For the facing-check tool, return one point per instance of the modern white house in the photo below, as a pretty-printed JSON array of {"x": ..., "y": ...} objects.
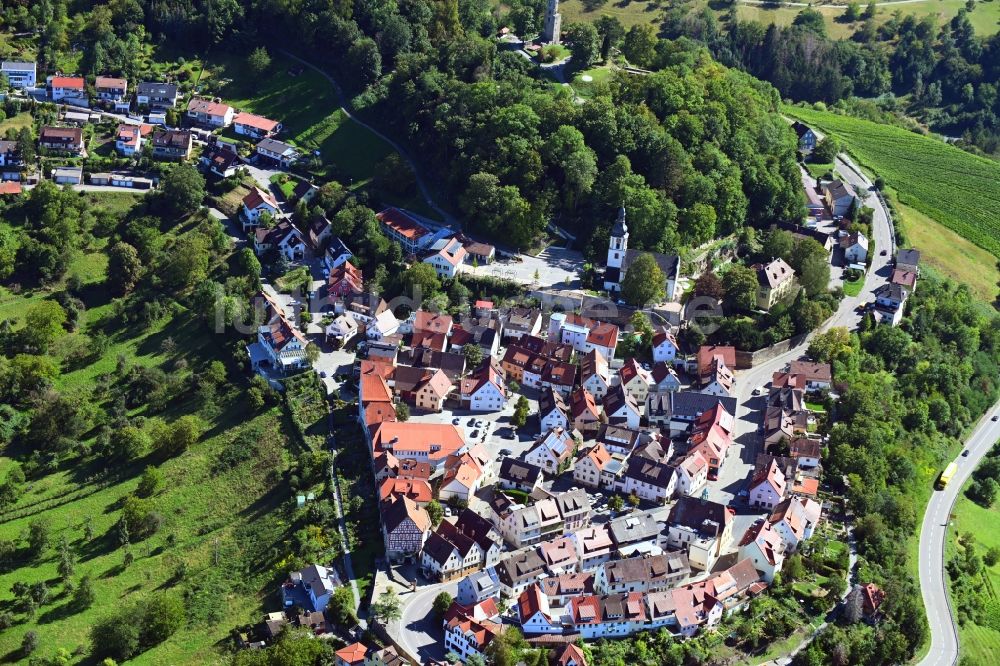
[
  {"x": 19, "y": 74},
  {"x": 255, "y": 205}
]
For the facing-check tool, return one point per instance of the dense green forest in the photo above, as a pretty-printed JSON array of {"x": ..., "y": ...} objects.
[{"x": 693, "y": 152}]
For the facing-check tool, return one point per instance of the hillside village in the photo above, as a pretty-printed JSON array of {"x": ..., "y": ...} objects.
[
  {"x": 547, "y": 450},
  {"x": 522, "y": 420}
]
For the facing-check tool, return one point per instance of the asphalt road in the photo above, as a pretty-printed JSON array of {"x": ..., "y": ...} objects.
[
  {"x": 933, "y": 535},
  {"x": 418, "y": 629}
]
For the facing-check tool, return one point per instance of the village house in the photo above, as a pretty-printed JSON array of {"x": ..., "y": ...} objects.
[
  {"x": 111, "y": 89},
  {"x": 560, "y": 589},
  {"x": 478, "y": 587},
  {"x": 621, "y": 408},
  {"x": 763, "y": 546},
  {"x": 466, "y": 636},
  {"x": 65, "y": 140},
  {"x": 518, "y": 322},
  {"x": 128, "y": 141},
  {"x": 635, "y": 380},
  {"x": 403, "y": 229},
  {"x": 767, "y": 488},
  {"x": 19, "y": 75},
  {"x": 692, "y": 474},
  {"x": 855, "y": 247},
  {"x": 552, "y": 451},
  {"x": 795, "y": 519},
  {"x": 310, "y": 588},
  {"x": 278, "y": 153},
  {"x": 665, "y": 379},
  {"x": 418, "y": 490},
  {"x": 341, "y": 329},
  {"x": 817, "y": 376},
  {"x": 775, "y": 281},
  {"x": 593, "y": 546},
  {"x": 839, "y": 197},
  {"x": 908, "y": 260},
  {"x": 559, "y": 555},
  {"x": 352, "y": 655},
  {"x": 890, "y": 302},
  {"x": 637, "y": 533},
  {"x": 257, "y": 206},
  {"x": 254, "y": 126},
  {"x": 595, "y": 376},
  {"x": 806, "y": 137},
  {"x": 10, "y": 154},
  {"x": 665, "y": 347},
  {"x": 220, "y": 159},
  {"x": 516, "y": 474},
  {"x": 905, "y": 279},
  {"x": 644, "y": 574},
  {"x": 284, "y": 237},
  {"x": 701, "y": 528},
  {"x": 424, "y": 442},
  {"x": 484, "y": 390},
  {"x": 650, "y": 480},
  {"x": 534, "y": 614},
  {"x": 405, "y": 525},
  {"x": 156, "y": 95},
  {"x": 552, "y": 411},
  {"x": 806, "y": 452},
  {"x": 462, "y": 477},
  {"x": 172, "y": 144},
  {"x": 518, "y": 571},
  {"x": 209, "y": 112},
  {"x": 584, "y": 414},
  {"x": 608, "y": 616},
  {"x": 66, "y": 87},
  {"x": 446, "y": 255},
  {"x": 589, "y": 467}
]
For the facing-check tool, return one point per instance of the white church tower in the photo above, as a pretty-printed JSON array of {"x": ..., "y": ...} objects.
[
  {"x": 616, "y": 253},
  {"x": 553, "y": 23}
]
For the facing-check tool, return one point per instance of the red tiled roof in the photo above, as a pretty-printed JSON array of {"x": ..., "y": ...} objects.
[
  {"x": 109, "y": 82},
  {"x": 10, "y": 187},
  {"x": 255, "y": 121},
  {"x": 604, "y": 334},
  {"x": 75, "y": 82},
  {"x": 209, "y": 107},
  {"x": 257, "y": 196},
  {"x": 353, "y": 654},
  {"x": 402, "y": 223}
]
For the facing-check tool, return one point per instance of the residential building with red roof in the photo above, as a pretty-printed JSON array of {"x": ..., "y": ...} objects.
[
  {"x": 665, "y": 347},
  {"x": 67, "y": 140},
  {"x": 795, "y": 519},
  {"x": 484, "y": 390},
  {"x": 636, "y": 380},
  {"x": 405, "y": 230},
  {"x": 767, "y": 488},
  {"x": 425, "y": 442},
  {"x": 254, "y": 126},
  {"x": 764, "y": 546},
  {"x": 256, "y": 204},
  {"x": 710, "y": 355},
  {"x": 904, "y": 278},
  {"x": 65, "y": 87},
  {"x": 595, "y": 376},
  {"x": 352, "y": 655},
  {"x": 588, "y": 468},
  {"x": 466, "y": 637},
  {"x": 418, "y": 490},
  {"x": 534, "y": 614},
  {"x": 209, "y": 112},
  {"x": 128, "y": 141},
  {"x": 571, "y": 655}
]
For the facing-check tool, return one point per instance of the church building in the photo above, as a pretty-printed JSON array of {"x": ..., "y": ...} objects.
[{"x": 620, "y": 257}]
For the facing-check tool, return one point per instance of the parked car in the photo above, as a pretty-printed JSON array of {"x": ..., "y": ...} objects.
[
  {"x": 996, "y": 417},
  {"x": 456, "y": 421},
  {"x": 506, "y": 452},
  {"x": 475, "y": 434},
  {"x": 965, "y": 453}
]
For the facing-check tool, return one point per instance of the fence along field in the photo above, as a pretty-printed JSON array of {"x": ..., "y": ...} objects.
[{"x": 955, "y": 188}]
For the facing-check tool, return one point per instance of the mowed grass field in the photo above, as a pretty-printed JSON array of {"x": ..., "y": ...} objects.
[
  {"x": 958, "y": 190},
  {"x": 979, "y": 644},
  {"x": 307, "y": 106}
]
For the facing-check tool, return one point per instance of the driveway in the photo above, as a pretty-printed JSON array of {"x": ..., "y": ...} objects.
[{"x": 335, "y": 362}]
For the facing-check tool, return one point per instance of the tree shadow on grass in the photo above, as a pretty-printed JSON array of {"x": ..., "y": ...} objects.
[
  {"x": 58, "y": 613},
  {"x": 12, "y": 657}
]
